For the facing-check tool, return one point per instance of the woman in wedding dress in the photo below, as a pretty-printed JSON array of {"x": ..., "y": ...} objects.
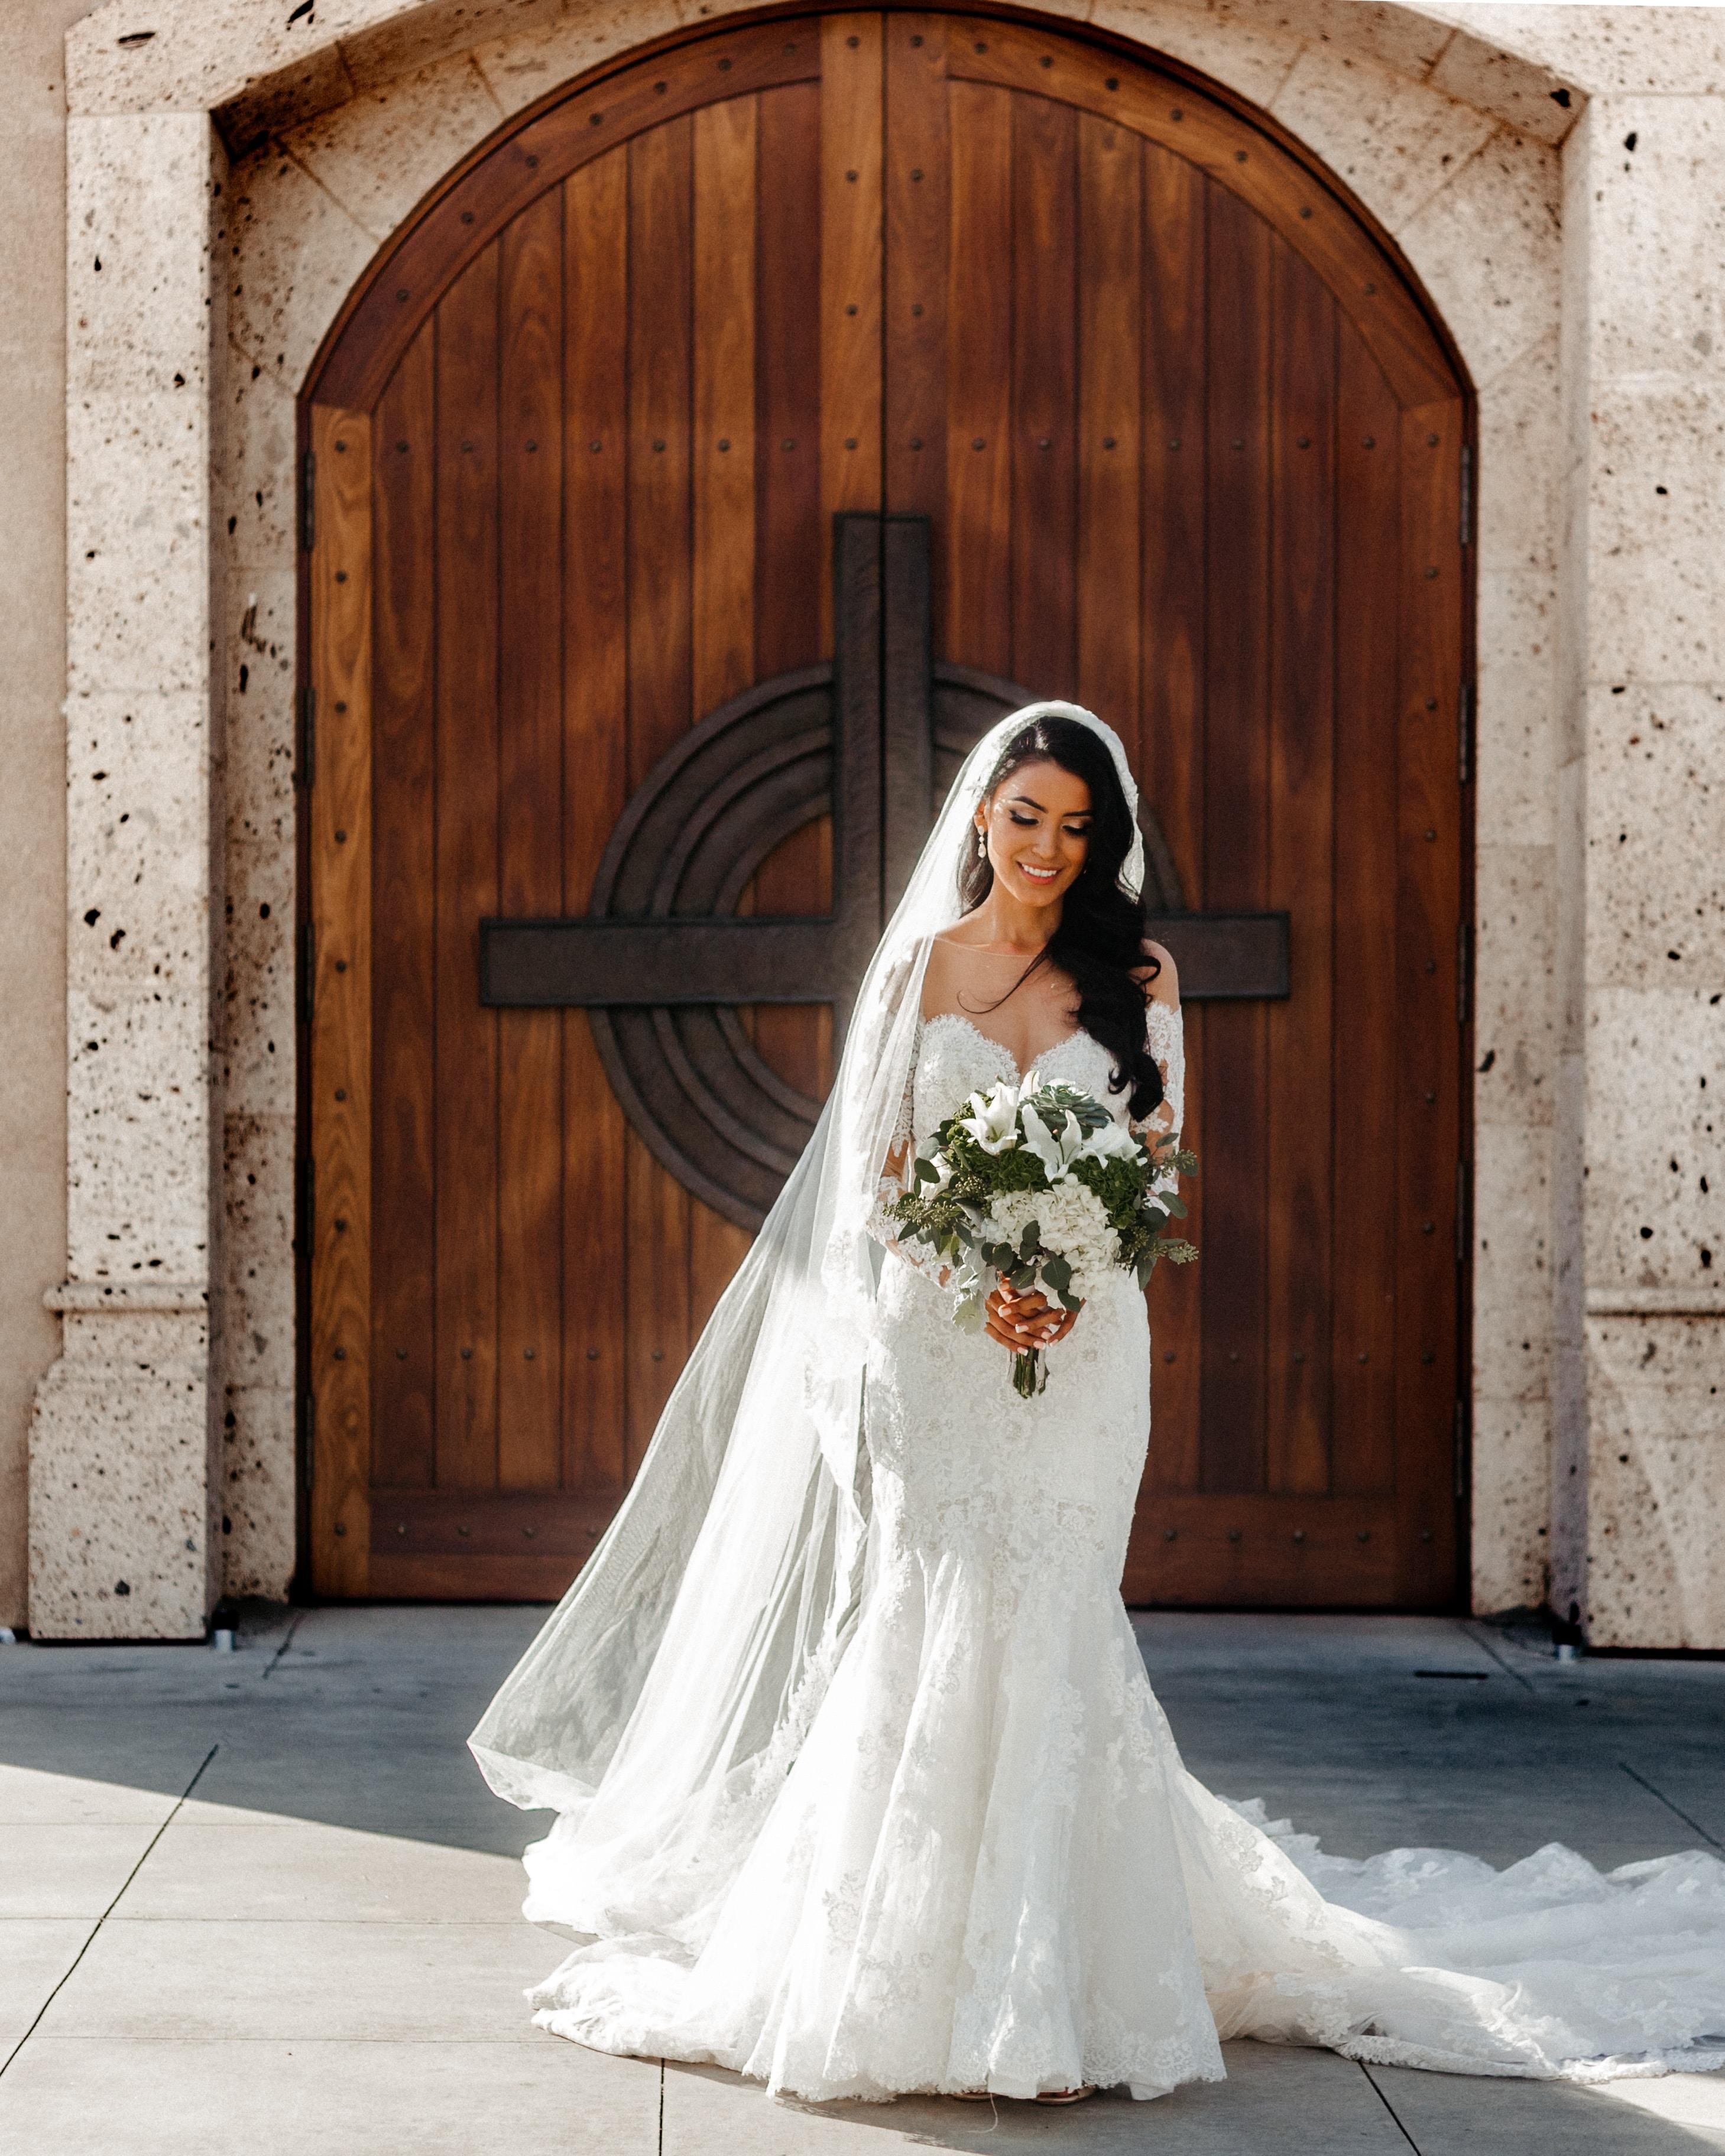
[{"x": 861, "y": 1786}]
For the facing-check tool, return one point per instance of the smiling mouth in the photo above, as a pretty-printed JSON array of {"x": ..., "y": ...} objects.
[{"x": 1037, "y": 876}]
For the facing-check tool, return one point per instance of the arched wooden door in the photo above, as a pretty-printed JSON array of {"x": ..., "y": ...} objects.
[{"x": 717, "y": 451}]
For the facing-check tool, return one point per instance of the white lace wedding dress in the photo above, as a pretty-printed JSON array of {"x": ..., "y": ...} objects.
[{"x": 986, "y": 1866}]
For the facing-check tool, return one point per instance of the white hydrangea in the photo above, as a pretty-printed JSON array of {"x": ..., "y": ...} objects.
[{"x": 1072, "y": 1223}]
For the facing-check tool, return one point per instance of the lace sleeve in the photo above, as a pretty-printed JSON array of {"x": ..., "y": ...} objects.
[
  {"x": 894, "y": 1180},
  {"x": 1165, "y": 1033}
]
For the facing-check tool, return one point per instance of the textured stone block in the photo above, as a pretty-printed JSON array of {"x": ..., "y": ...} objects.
[
  {"x": 120, "y": 1483},
  {"x": 378, "y": 155},
  {"x": 1512, "y": 1271},
  {"x": 1656, "y": 873},
  {"x": 1602, "y": 47},
  {"x": 295, "y": 255},
  {"x": 259, "y": 982},
  {"x": 1656, "y": 1139},
  {"x": 527, "y": 63},
  {"x": 1394, "y": 142},
  {"x": 1656, "y": 1481},
  {"x": 257, "y": 1250},
  {"x": 137, "y": 515},
  {"x": 1656, "y": 530},
  {"x": 256, "y": 492},
  {"x": 1486, "y": 247},
  {"x": 203, "y": 54},
  {"x": 137, "y": 852},
  {"x": 138, "y": 1113},
  {"x": 1515, "y": 992},
  {"x": 1516, "y": 687},
  {"x": 1404, "y": 38},
  {"x": 257, "y": 1490},
  {"x": 1252, "y": 53},
  {"x": 1522, "y": 92},
  {"x": 1511, "y": 1469},
  {"x": 1657, "y": 299},
  {"x": 405, "y": 42},
  {"x": 260, "y": 729},
  {"x": 137, "y": 264},
  {"x": 1521, "y": 460}
]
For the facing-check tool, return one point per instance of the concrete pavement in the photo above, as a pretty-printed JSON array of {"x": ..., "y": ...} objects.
[{"x": 262, "y": 1903}]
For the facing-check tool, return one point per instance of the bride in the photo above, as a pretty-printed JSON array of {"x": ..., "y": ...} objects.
[{"x": 860, "y": 1786}]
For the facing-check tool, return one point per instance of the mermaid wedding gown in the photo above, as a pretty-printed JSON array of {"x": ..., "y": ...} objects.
[{"x": 984, "y": 1865}]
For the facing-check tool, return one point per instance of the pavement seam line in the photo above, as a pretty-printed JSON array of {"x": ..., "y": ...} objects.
[
  {"x": 292, "y": 1634},
  {"x": 1387, "y": 2106},
  {"x": 1485, "y": 1646},
  {"x": 96, "y": 1927},
  {"x": 1694, "y": 1825}
]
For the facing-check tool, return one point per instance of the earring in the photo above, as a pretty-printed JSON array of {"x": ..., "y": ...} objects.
[{"x": 982, "y": 844}]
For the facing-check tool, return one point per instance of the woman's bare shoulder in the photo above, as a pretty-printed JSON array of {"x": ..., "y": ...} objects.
[{"x": 1158, "y": 976}]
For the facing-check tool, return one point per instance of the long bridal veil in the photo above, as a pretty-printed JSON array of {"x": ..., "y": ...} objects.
[
  {"x": 666, "y": 1700},
  {"x": 665, "y": 1697}
]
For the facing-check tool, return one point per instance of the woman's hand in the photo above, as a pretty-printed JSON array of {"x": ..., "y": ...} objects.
[{"x": 1027, "y": 1321}]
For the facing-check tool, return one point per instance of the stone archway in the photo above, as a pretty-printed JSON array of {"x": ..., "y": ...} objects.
[{"x": 218, "y": 280}]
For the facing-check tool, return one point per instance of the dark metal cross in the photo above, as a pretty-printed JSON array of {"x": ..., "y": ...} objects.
[{"x": 663, "y": 961}]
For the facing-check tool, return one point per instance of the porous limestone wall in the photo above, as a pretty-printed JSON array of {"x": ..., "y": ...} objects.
[
  {"x": 121, "y": 1483},
  {"x": 1450, "y": 123},
  {"x": 33, "y": 681}
]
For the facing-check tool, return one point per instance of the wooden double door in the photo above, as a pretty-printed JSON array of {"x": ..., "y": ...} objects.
[{"x": 1175, "y": 437}]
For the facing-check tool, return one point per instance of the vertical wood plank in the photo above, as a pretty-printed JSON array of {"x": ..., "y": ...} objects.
[
  {"x": 530, "y": 1166},
  {"x": 1044, "y": 302},
  {"x": 595, "y": 788},
  {"x": 403, "y": 885},
  {"x": 660, "y": 308},
  {"x": 1368, "y": 581},
  {"x": 725, "y": 150},
  {"x": 723, "y": 461},
  {"x": 917, "y": 188},
  {"x": 793, "y": 536},
  {"x": 1110, "y": 265},
  {"x": 1428, "y": 909},
  {"x": 852, "y": 262},
  {"x": 1301, "y": 1217},
  {"x": 793, "y": 553},
  {"x": 467, "y": 653},
  {"x": 1170, "y": 731},
  {"x": 1236, "y": 785},
  {"x": 978, "y": 536},
  {"x": 341, "y": 1012},
  {"x": 1171, "y": 728}
]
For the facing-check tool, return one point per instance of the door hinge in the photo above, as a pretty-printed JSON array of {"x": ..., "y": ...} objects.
[
  {"x": 308, "y": 499},
  {"x": 308, "y": 1438},
  {"x": 1462, "y": 1237},
  {"x": 1464, "y": 735},
  {"x": 308, "y": 1201},
  {"x": 1460, "y": 1448},
  {"x": 1463, "y": 971},
  {"x": 1466, "y": 494},
  {"x": 308, "y": 735},
  {"x": 308, "y": 960}
]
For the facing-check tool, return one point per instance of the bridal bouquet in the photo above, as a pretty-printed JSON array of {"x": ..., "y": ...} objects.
[{"x": 1038, "y": 1186}]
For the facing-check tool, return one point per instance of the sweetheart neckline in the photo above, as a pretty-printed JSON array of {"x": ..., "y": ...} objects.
[{"x": 958, "y": 1017}]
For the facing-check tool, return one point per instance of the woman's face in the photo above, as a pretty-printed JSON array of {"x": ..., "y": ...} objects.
[{"x": 1037, "y": 825}]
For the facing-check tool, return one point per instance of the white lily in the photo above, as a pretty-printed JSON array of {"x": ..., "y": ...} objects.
[
  {"x": 1112, "y": 1141},
  {"x": 993, "y": 1120},
  {"x": 1056, "y": 1149}
]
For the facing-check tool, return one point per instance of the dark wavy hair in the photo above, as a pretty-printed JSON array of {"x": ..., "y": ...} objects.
[{"x": 1100, "y": 942}]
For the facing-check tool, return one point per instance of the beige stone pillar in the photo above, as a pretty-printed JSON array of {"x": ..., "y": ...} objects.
[
  {"x": 123, "y": 1488},
  {"x": 1638, "y": 1499}
]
